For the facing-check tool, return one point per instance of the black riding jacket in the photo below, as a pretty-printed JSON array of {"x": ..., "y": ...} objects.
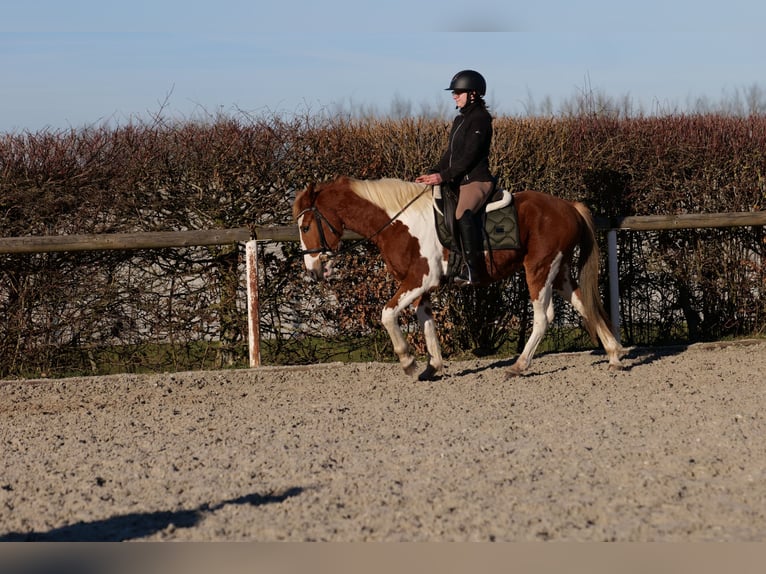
[{"x": 467, "y": 156}]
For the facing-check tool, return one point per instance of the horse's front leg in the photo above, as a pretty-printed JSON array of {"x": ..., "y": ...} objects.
[
  {"x": 428, "y": 326},
  {"x": 390, "y": 320}
]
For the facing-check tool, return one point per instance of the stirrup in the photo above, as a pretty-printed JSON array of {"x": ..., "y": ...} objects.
[{"x": 465, "y": 277}]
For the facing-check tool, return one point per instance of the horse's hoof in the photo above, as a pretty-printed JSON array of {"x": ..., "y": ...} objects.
[
  {"x": 514, "y": 372},
  {"x": 616, "y": 367},
  {"x": 411, "y": 368}
]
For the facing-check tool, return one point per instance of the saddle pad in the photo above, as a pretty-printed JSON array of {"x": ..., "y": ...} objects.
[{"x": 501, "y": 227}]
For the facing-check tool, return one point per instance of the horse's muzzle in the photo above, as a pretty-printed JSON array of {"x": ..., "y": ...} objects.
[{"x": 318, "y": 267}]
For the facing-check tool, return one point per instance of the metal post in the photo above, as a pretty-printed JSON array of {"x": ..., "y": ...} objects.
[
  {"x": 253, "y": 314},
  {"x": 614, "y": 284}
]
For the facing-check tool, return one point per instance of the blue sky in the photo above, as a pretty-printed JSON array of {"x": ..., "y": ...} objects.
[{"x": 82, "y": 62}]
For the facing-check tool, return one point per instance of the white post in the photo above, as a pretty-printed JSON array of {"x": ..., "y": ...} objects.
[
  {"x": 253, "y": 314},
  {"x": 614, "y": 284}
]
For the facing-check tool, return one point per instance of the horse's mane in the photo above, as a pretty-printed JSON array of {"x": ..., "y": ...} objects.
[{"x": 390, "y": 194}]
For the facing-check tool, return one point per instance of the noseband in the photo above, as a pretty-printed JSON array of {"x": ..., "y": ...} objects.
[{"x": 320, "y": 219}]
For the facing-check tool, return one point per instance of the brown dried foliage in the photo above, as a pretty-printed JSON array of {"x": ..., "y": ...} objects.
[{"x": 184, "y": 308}]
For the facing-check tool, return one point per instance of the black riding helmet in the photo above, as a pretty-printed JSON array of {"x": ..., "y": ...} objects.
[{"x": 470, "y": 81}]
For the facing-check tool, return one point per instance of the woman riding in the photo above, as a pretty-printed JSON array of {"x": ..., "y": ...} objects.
[{"x": 464, "y": 166}]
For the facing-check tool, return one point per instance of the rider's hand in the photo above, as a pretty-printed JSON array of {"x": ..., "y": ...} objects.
[{"x": 429, "y": 179}]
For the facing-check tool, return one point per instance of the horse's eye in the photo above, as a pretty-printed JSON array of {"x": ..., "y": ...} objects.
[{"x": 305, "y": 228}]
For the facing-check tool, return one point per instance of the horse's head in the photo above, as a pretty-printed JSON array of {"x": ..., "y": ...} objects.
[{"x": 320, "y": 230}]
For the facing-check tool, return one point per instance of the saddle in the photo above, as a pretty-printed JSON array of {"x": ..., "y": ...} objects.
[{"x": 498, "y": 216}]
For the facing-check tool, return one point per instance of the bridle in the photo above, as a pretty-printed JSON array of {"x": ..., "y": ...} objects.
[{"x": 319, "y": 218}]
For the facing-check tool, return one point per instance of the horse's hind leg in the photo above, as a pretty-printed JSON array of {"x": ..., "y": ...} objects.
[
  {"x": 595, "y": 322},
  {"x": 543, "y": 316},
  {"x": 428, "y": 326},
  {"x": 542, "y": 306}
]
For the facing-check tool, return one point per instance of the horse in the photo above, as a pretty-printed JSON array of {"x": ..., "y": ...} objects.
[{"x": 398, "y": 217}]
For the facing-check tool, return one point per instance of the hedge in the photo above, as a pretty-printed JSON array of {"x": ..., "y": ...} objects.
[{"x": 152, "y": 310}]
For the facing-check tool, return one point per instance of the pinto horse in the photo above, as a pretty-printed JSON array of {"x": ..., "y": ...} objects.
[{"x": 398, "y": 217}]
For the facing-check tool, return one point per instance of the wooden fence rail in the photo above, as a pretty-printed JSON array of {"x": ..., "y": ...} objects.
[
  {"x": 682, "y": 221},
  {"x": 279, "y": 233},
  {"x": 149, "y": 240},
  {"x": 251, "y": 235}
]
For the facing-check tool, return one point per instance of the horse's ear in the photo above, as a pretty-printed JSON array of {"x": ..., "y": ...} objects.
[
  {"x": 311, "y": 191},
  {"x": 303, "y": 200},
  {"x": 305, "y": 195}
]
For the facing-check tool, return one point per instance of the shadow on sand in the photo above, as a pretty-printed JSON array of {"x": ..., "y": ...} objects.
[
  {"x": 140, "y": 524},
  {"x": 635, "y": 357}
]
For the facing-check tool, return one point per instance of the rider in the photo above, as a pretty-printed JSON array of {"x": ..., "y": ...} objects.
[{"x": 464, "y": 166}]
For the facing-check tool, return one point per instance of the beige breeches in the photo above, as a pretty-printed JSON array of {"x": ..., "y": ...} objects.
[{"x": 472, "y": 196}]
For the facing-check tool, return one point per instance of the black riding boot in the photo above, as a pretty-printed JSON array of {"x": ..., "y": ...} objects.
[{"x": 473, "y": 248}]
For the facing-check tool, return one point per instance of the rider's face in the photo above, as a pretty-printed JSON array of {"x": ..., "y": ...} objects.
[{"x": 460, "y": 97}]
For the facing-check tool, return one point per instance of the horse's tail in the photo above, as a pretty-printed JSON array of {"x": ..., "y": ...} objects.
[{"x": 597, "y": 320}]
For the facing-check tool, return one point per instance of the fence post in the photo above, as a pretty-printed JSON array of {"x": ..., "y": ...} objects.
[
  {"x": 614, "y": 284},
  {"x": 253, "y": 313}
]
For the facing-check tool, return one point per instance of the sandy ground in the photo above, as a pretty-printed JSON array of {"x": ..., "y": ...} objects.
[{"x": 671, "y": 449}]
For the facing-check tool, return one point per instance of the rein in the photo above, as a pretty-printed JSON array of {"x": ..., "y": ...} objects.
[{"x": 325, "y": 248}]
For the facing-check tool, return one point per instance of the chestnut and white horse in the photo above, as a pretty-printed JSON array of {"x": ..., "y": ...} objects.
[{"x": 398, "y": 217}]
